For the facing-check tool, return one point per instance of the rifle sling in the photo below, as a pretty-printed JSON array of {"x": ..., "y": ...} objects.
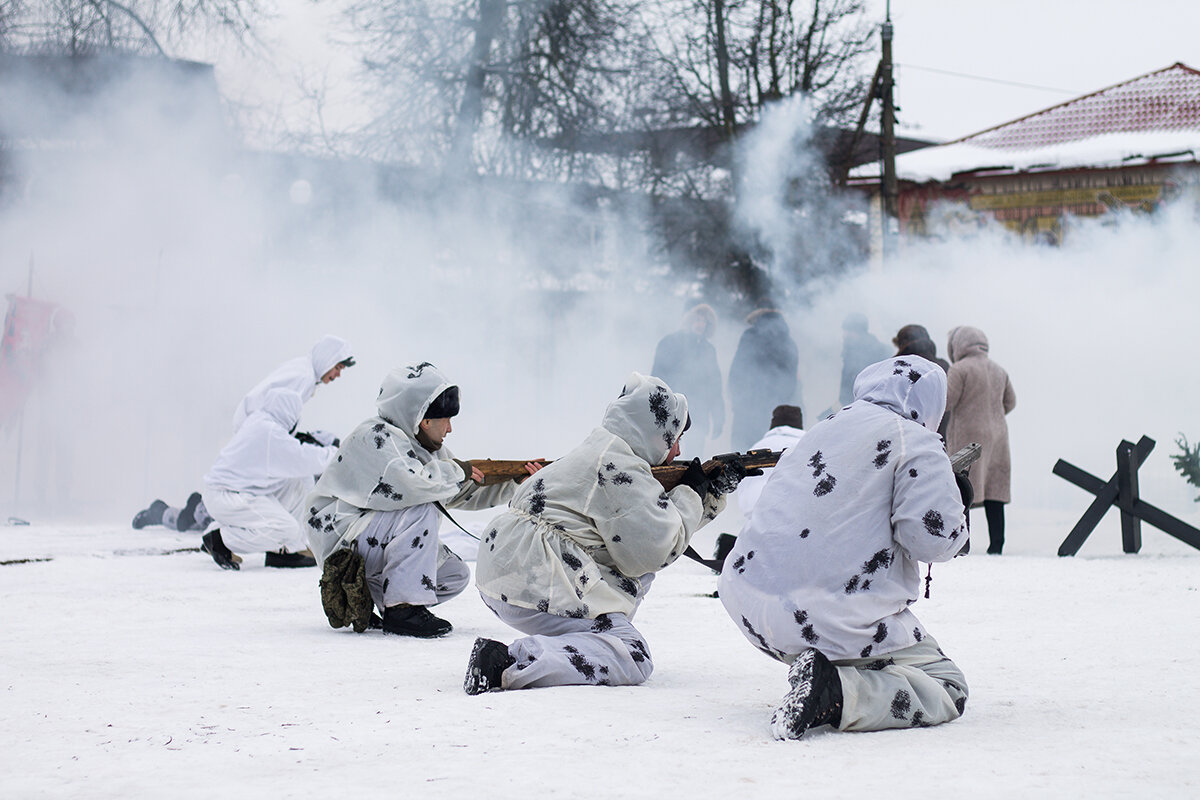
[
  {"x": 442, "y": 509},
  {"x": 711, "y": 563}
]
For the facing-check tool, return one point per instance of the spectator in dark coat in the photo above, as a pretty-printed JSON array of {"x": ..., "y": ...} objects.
[
  {"x": 761, "y": 376},
  {"x": 914, "y": 340},
  {"x": 859, "y": 350},
  {"x": 687, "y": 361}
]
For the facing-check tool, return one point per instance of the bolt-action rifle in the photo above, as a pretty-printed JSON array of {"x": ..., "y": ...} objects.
[
  {"x": 669, "y": 475},
  {"x": 498, "y": 471},
  {"x": 961, "y": 461}
]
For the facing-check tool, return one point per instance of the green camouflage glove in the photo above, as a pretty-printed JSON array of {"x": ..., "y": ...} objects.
[{"x": 344, "y": 592}]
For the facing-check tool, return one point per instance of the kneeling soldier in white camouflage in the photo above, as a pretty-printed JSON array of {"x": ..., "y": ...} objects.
[
  {"x": 381, "y": 496},
  {"x": 823, "y": 573},
  {"x": 256, "y": 488},
  {"x": 574, "y": 555}
]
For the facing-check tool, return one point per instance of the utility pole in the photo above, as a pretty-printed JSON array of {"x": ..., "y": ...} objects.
[
  {"x": 888, "y": 140},
  {"x": 16, "y": 501}
]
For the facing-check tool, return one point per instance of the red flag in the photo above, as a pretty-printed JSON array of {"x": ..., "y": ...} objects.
[{"x": 28, "y": 332}]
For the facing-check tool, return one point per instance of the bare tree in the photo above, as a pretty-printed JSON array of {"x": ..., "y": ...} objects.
[
  {"x": 820, "y": 54},
  {"x": 149, "y": 26},
  {"x": 713, "y": 81},
  {"x": 643, "y": 97},
  {"x": 471, "y": 83},
  {"x": 740, "y": 55},
  {"x": 488, "y": 24}
]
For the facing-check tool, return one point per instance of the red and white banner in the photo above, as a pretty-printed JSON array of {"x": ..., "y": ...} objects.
[{"x": 30, "y": 328}]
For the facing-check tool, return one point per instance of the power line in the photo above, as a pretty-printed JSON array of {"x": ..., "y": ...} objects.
[{"x": 989, "y": 80}]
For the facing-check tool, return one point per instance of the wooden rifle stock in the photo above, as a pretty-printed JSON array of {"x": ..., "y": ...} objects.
[{"x": 498, "y": 471}]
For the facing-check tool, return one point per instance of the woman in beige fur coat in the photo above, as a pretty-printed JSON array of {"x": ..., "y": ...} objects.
[{"x": 978, "y": 396}]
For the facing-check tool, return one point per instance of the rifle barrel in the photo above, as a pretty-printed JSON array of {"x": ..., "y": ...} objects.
[{"x": 499, "y": 470}]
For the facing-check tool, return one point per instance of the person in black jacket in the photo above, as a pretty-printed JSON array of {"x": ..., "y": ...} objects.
[
  {"x": 761, "y": 376},
  {"x": 687, "y": 361},
  {"x": 859, "y": 350},
  {"x": 914, "y": 340}
]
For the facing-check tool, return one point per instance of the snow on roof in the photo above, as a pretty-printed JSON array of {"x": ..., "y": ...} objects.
[
  {"x": 1154, "y": 117},
  {"x": 1111, "y": 150}
]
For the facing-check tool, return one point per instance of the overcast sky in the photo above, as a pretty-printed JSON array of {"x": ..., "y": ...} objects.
[
  {"x": 1076, "y": 48},
  {"x": 1006, "y": 59}
]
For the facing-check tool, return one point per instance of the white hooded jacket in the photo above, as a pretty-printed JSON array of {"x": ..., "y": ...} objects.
[
  {"x": 381, "y": 466},
  {"x": 301, "y": 374},
  {"x": 829, "y": 558},
  {"x": 580, "y": 533},
  {"x": 263, "y": 455},
  {"x": 781, "y": 437}
]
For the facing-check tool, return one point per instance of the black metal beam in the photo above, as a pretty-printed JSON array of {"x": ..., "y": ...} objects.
[
  {"x": 1121, "y": 490},
  {"x": 1106, "y": 494},
  {"x": 1127, "y": 497}
]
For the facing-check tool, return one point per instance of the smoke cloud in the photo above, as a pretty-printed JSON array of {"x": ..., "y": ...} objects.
[{"x": 193, "y": 268}]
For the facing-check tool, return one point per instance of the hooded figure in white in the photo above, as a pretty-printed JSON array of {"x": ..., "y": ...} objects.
[
  {"x": 828, "y": 561},
  {"x": 786, "y": 429},
  {"x": 301, "y": 374},
  {"x": 574, "y": 555},
  {"x": 379, "y": 496},
  {"x": 255, "y": 489}
]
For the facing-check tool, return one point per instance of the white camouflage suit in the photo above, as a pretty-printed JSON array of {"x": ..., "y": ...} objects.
[
  {"x": 302, "y": 375},
  {"x": 781, "y": 437},
  {"x": 255, "y": 489},
  {"x": 378, "y": 496},
  {"x": 574, "y": 555},
  {"x": 829, "y": 558}
]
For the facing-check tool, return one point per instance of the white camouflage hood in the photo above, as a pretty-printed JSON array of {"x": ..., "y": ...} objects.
[
  {"x": 648, "y": 416},
  {"x": 909, "y": 385},
  {"x": 407, "y": 392},
  {"x": 328, "y": 353}
]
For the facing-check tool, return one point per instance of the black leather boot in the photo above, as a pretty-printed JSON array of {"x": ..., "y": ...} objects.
[
  {"x": 486, "y": 666},
  {"x": 222, "y": 556},
  {"x": 290, "y": 560},
  {"x": 406, "y": 620},
  {"x": 187, "y": 514},
  {"x": 150, "y": 516},
  {"x": 815, "y": 698}
]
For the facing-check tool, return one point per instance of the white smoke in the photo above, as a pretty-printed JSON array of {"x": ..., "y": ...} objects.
[
  {"x": 1097, "y": 335},
  {"x": 194, "y": 268}
]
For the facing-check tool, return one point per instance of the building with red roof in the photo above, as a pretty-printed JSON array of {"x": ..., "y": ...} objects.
[{"x": 1134, "y": 146}]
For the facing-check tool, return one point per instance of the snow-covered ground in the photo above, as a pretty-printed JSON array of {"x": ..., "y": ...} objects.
[{"x": 128, "y": 673}]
